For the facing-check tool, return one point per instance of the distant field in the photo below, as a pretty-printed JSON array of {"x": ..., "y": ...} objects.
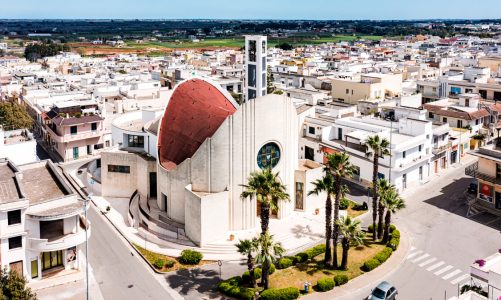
[{"x": 159, "y": 48}]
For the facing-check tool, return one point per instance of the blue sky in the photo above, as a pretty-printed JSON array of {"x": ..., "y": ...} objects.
[{"x": 251, "y": 9}]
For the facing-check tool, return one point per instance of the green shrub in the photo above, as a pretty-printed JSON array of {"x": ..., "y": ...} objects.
[
  {"x": 289, "y": 293},
  {"x": 392, "y": 228},
  {"x": 315, "y": 251},
  {"x": 340, "y": 279},
  {"x": 302, "y": 257},
  {"x": 284, "y": 263},
  {"x": 395, "y": 234},
  {"x": 344, "y": 203},
  {"x": 272, "y": 269},
  {"x": 159, "y": 263},
  {"x": 190, "y": 257},
  {"x": 384, "y": 254},
  {"x": 369, "y": 228},
  {"x": 325, "y": 284},
  {"x": 258, "y": 273},
  {"x": 370, "y": 265},
  {"x": 169, "y": 263},
  {"x": 294, "y": 259},
  {"x": 394, "y": 241},
  {"x": 231, "y": 287}
]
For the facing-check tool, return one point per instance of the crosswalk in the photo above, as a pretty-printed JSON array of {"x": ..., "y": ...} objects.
[{"x": 436, "y": 266}]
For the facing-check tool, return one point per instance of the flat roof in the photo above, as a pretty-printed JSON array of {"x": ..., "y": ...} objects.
[
  {"x": 40, "y": 185},
  {"x": 9, "y": 191}
]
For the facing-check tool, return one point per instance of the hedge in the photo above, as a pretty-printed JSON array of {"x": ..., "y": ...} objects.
[
  {"x": 294, "y": 259},
  {"x": 340, "y": 279},
  {"x": 190, "y": 257},
  {"x": 231, "y": 288},
  {"x": 395, "y": 239},
  {"x": 370, "y": 265},
  {"x": 384, "y": 255},
  {"x": 169, "y": 263},
  {"x": 284, "y": 263},
  {"x": 289, "y": 293},
  {"x": 302, "y": 257},
  {"x": 246, "y": 275},
  {"x": 315, "y": 251},
  {"x": 325, "y": 284},
  {"x": 392, "y": 228}
]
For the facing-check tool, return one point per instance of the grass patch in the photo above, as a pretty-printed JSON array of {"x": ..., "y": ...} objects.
[
  {"x": 153, "y": 257},
  {"x": 313, "y": 270}
]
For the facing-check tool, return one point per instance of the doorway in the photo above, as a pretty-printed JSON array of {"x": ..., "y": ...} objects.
[
  {"x": 309, "y": 153},
  {"x": 153, "y": 184},
  {"x": 75, "y": 152},
  {"x": 52, "y": 259}
]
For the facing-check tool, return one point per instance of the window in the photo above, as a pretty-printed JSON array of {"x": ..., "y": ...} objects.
[
  {"x": 311, "y": 130},
  {"x": 403, "y": 154},
  {"x": 476, "y": 121},
  {"x": 420, "y": 172},
  {"x": 252, "y": 51},
  {"x": 299, "y": 195},
  {"x": 420, "y": 148},
  {"x": 347, "y": 91},
  {"x": 15, "y": 242},
  {"x": 93, "y": 126},
  {"x": 252, "y": 76},
  {"x": 466, "y": 102},
  {"x": 498, "y": 171},
  {"x": 34, "y": 268},
  {"x": 118, "y": 169},
  {"x": 73, "y": 130},
  {"x": 430, "y": 115},
  {"x": 268, "y": 156},
  {"x": 14, "y": 217},
  {"x": 263, "y": 49},
  {"x": 444, "y": 120},
  {"x": 136, "y": 141}
]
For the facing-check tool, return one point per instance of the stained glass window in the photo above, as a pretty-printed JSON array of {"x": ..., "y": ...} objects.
[{"x": 268, "y": 156}]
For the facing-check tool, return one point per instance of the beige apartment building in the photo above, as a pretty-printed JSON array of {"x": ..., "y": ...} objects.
[{"x": 368, "y": 86}]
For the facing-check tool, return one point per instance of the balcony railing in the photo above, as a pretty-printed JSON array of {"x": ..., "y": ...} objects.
[
  {"x": 64, "y": 242},
  {"x": 472, "y": 170},
  {"x": 442, "y": 148},
  {"x": 73, "y": 137}
]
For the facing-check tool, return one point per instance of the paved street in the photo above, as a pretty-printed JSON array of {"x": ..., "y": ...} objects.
[
  {"x": 444, "y": 241},
  {"x": 120, "y": 274}
]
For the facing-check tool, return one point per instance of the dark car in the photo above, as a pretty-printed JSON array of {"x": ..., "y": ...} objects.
[
  {"x": 472, "y": 188},
  {"x": 384, "y": 291}
]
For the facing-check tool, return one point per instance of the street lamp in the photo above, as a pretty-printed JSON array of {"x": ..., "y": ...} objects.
[{"x": 86, "y": 202}]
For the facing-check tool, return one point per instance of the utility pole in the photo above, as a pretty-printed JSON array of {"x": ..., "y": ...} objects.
[{"x": 86, "y": 203}]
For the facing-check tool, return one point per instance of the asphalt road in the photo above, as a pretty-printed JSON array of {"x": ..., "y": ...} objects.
[
  {"x": 444, "y": 241},
  {"x": 120, "y": 274}
]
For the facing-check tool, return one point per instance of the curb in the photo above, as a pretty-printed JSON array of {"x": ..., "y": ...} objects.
[{"x": 384, "y": 270}]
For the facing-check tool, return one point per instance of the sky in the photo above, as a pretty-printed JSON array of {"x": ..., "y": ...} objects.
[{"x": 250, "y": 9}]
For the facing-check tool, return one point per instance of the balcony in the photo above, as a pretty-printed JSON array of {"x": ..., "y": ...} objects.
[
  {"x": 472, "y": 170},
  {"x": 73, "y": 137},
  {"x": 60, "y": 243},
  {"x": 437, "y": 150}
]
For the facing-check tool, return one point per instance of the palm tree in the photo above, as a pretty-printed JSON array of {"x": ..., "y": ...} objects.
[
  {"x": 383, "y": 187},
  {"x": 393, "y": 203},
  {"x": 326, "y": 184},
  {"x": 380, "y": 148},
  {"x": 352, "y": 235},
  {"x": 249, "y": 248},
  {"x": 269, "y": 251},
  {"x": 339, "y": 166},
  {"x": 268, "y": 190}
]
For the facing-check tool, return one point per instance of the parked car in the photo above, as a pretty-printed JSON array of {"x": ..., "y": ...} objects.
[
  {"x": 472, "y": 188},
  {"x": 384, "y": 291}
]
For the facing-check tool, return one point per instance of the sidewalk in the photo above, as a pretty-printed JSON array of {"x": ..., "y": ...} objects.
[{"x": 370, "y": 279}]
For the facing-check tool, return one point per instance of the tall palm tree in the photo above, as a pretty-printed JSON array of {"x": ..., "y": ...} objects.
[
  {"x": 326, "y": 184},
  {"x": 383, "y": 188},
  {"x": 266, "y": 187},
  {"x": 339, "y": 166},
  {"x": 393, "y": 203},
  {"x": 249, "y": 248},
  {"x": 380, "y": 148},
  {"x": 269, "y": 251},
  {"x": 352, "y": 235}
]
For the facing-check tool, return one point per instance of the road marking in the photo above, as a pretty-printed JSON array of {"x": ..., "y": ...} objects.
[
  {"x": 414, "y": 254},
  {"x": 427, "y": 262},
  {"x": 452, "y": 274},
  {"x": 435, "y": 266},
  {"x": 461, "y": 278},
  {"x": 443, "y": 270},
  {"x": 421, "y": 257}
]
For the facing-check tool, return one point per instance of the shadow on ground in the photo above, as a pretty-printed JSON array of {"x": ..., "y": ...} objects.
[{"x": 453, "y": 200}]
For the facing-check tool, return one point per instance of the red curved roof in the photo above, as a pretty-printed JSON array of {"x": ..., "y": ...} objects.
[{"x": 195, "y": 111}]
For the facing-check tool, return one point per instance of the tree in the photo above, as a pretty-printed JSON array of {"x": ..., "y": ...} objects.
[
  {"x": 13, "y": 286},
  {"x": 380, "y": 148},
  {"x": 383, "y": 187},
  {"x": 265, "y": 186},
  {"x": 285, "y": 46},
  {"x": 249, "y": 248},
  {"x": 339, "y": 166},
  {"x": 269, "y": 251},
  {"x": 14, "y": 116},
  {"x": 352, "y": 235},
  {"x": 326, "y": 184},
  {"x": 392, "y": 201}
]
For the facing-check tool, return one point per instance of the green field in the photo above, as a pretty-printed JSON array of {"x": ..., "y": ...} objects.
[{"x": 239, "y": 42}]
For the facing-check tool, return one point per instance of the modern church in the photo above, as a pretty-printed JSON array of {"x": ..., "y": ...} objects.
[{"x": 206, "y": 147}]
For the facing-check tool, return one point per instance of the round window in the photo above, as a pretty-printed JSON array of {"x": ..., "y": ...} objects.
[{"x": 268, "y": 156}]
